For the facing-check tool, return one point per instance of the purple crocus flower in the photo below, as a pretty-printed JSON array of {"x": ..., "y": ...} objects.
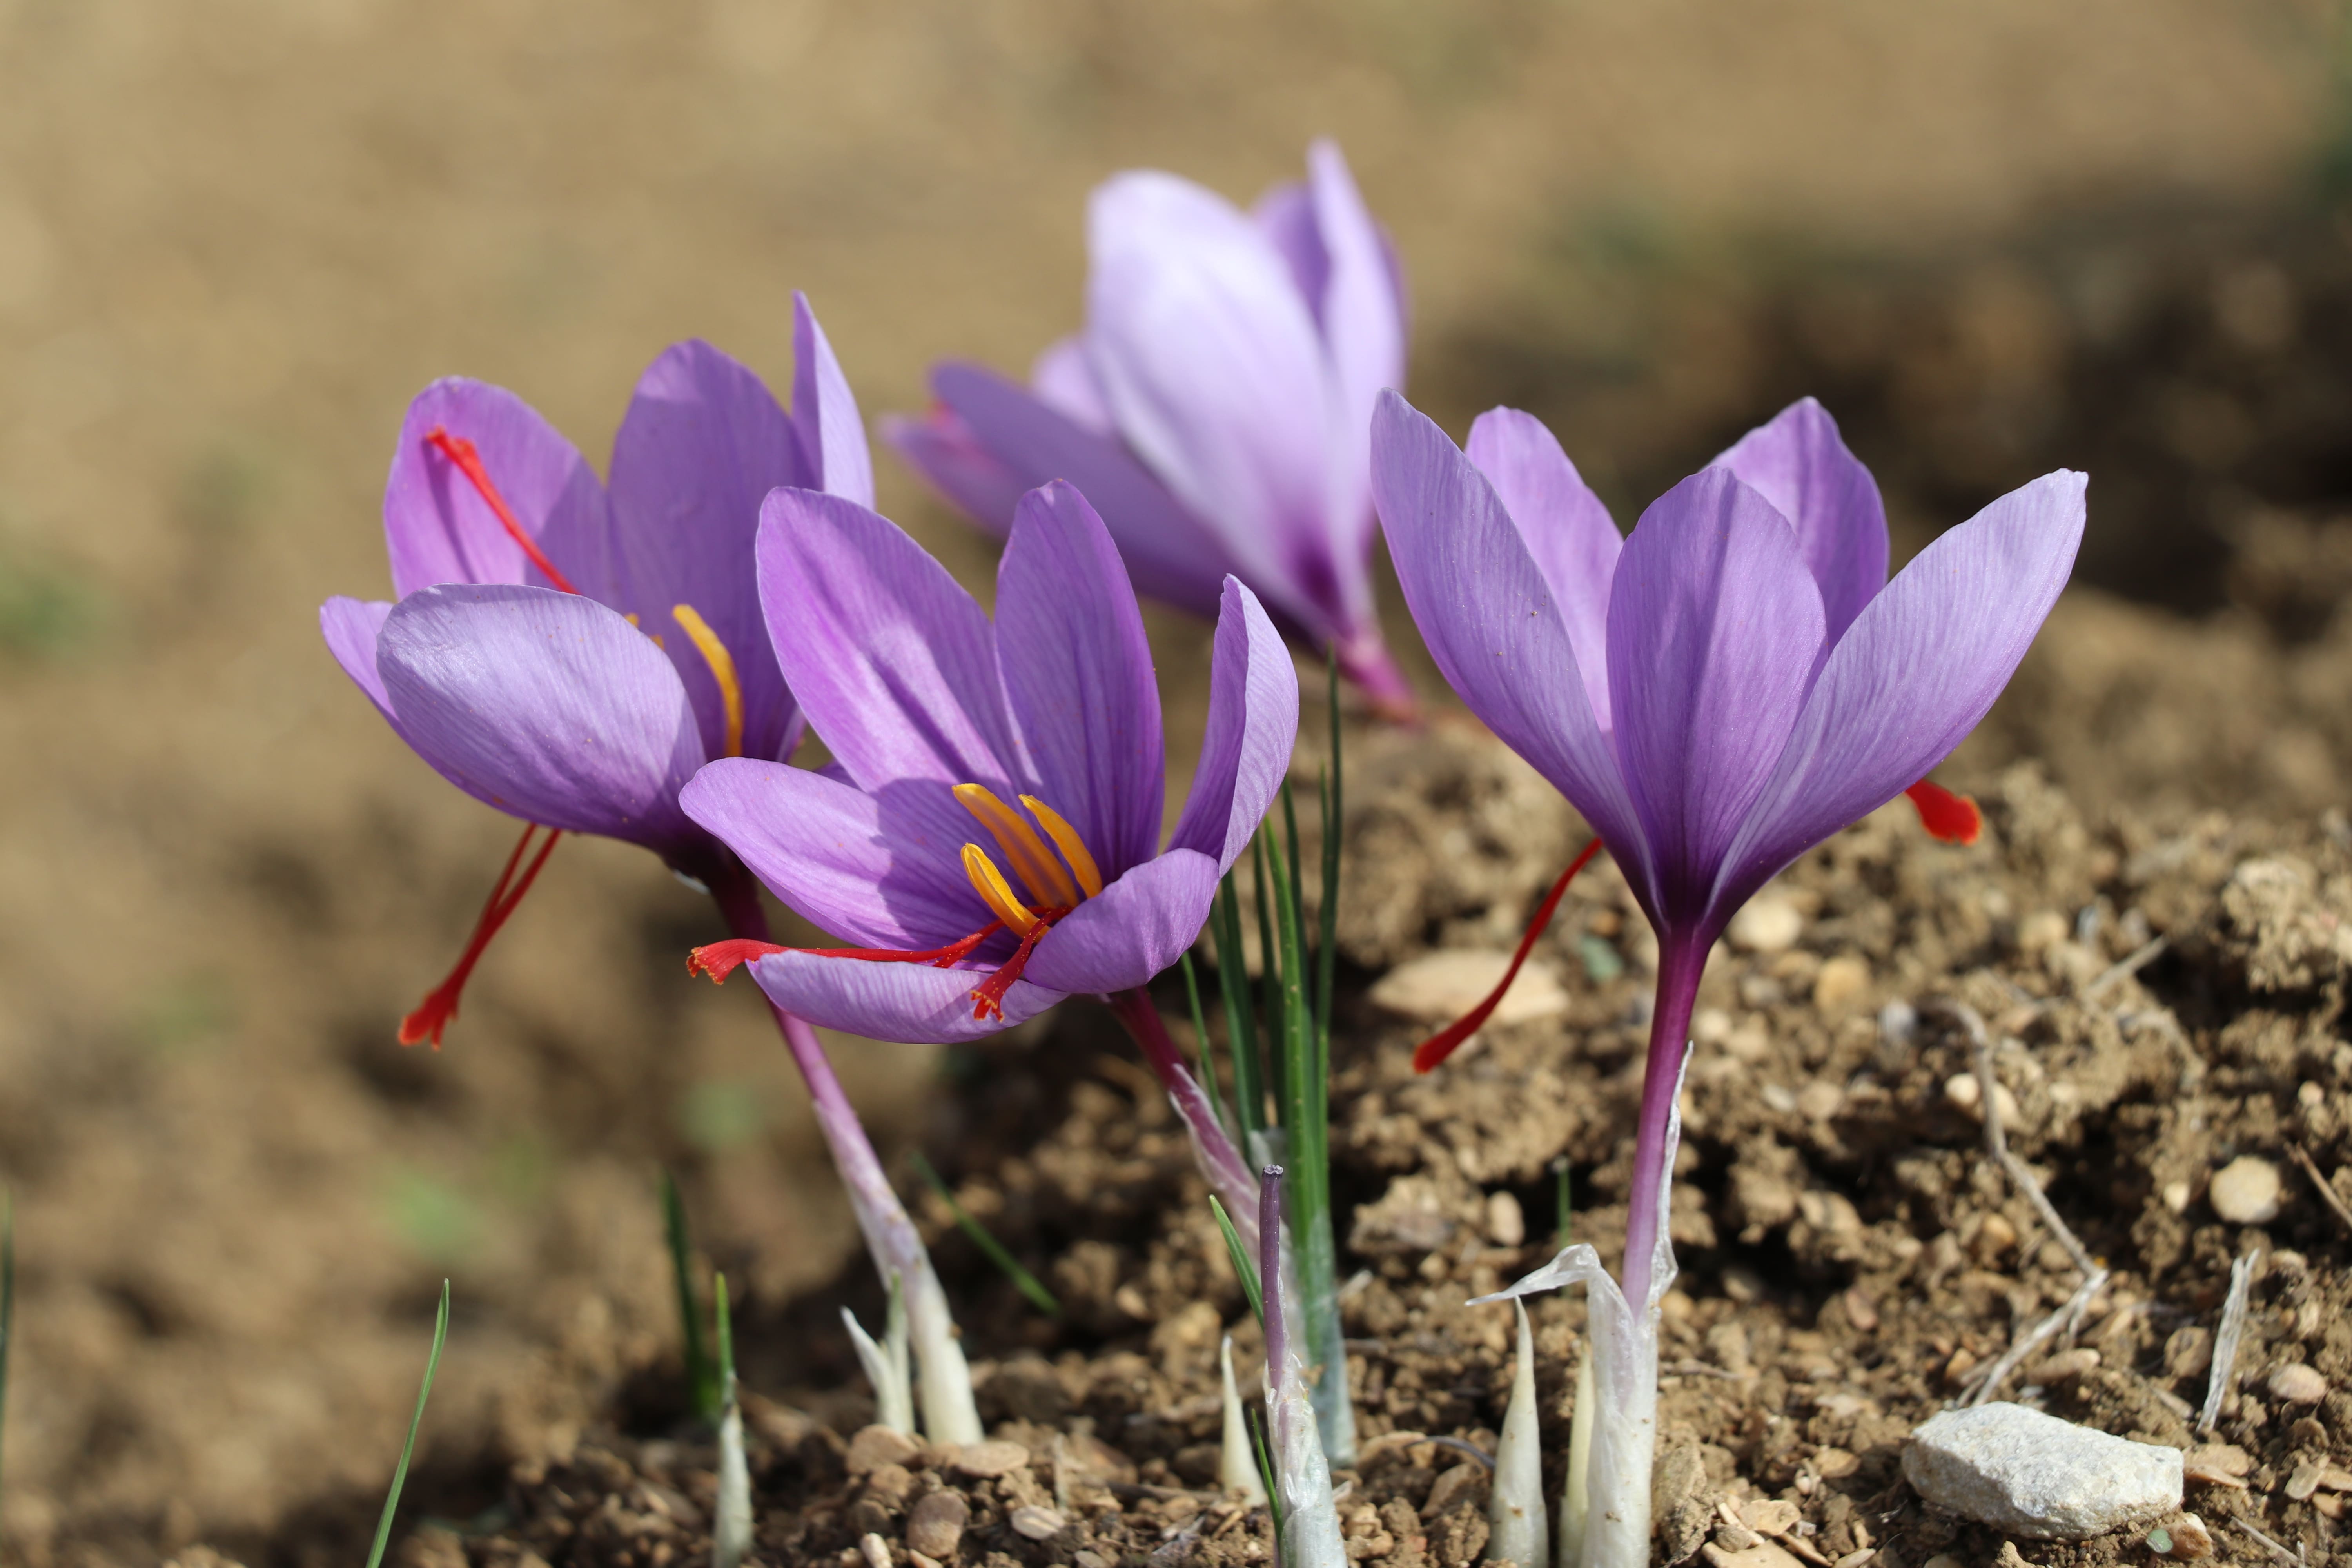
[
  {"x": 571, "y": 652},
  {"x": 988, "y": 837},
  {"x": 1217, "y": 407},
  {"x": 1719, "y": 691}
]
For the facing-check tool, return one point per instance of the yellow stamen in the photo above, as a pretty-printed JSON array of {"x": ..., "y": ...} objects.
[
  {"x": 1073, "y": 847},
  {"x": 723, "y": 670},
  {"x": 1032, "y": 861},
  {"x": 989, "y": 883}
]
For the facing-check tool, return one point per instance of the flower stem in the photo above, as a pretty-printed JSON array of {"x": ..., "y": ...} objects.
[
  {"x": 1680, "y": 964},
  {"x": 950, "y": 1415},
  {"x": 1227, "y": 1172}
]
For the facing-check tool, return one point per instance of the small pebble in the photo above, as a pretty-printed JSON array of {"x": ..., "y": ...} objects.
[
  {"x": 1766, "y": 925},
  {"x": 1843, "y": 982},
  {"x": 2176, "y": 1196},
  {"x": 875, "y": 1550},
  {"x": 2297, "y": 1383},
  {"x": 1860, "y": 1309},
  {"x": 935, "y": 1526},
  {"x": 1769, "y": 1516},
  {"x": 2304, "y": 1480},
  {"x": 1710, "y": 1026},
  {"x": 987, "y": 1461},
  {"x": 2025, "y": 1473},
  {"x": 2190, "y": 1537},
  {"x": 1506, "y": 1224},
  {"x": 1763, "y": 1554},
  {"x": 1962, "y": 1092},
  {"x": 875, "y": 1446},
  {"x": 1439, "y": 987},
  {"x": 2245, "y": 1191},
  {"x": 1898, "y": 1021},
  {"x": 1037, "y": 1523}
]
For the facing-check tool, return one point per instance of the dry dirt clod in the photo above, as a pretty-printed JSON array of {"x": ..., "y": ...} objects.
[
  {"x": 875, "y": 1446},
  {"x": 1439, "y": 987},
  {"x": 2304, "y": 1480},
  {"x": 935, "y": 1527},
  {"x": 2218, "y": 1465},
  {"x": 2191, "y": 1539},
  {"x": 2297, "y": 1383},
  {"x": 986, "y": 1461},
  {"x": 2245, "y": 1191},
  {"x": 1763, "y": 1554},
  {"x": 1766, "y": 924},
  {"x": 1842, "y": 982},
  {"x": 1038, "y": 1524}
]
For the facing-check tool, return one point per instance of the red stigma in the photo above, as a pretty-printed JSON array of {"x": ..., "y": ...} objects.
[
  {"x": 720, "y": 959},
  {"x": 466, "y": 460},
  {"x": 988, "y": 996},
  {"x": 432, "y": 1014},
  {"x": 1949, "y": 819},
  {"x": 1440, "y": 1046}
]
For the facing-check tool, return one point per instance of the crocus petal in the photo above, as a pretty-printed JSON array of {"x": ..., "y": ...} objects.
[
  {"x": 1213, "y": 367},
  {"x": 438, "y": 528},
  {"x": 1065, "y": 381},
  {"x": 825, "y": 415},
  {"x": 1714, "y": 632},
  {"x": 702, "y": 444},
  {"x": 1131, "y": 930},
  {"x": 893, "y": 662},
  {"x": 1170, "y": 556},
  {"x": 1799, "y": 464},
  {"x": 1492, "y": 623},
  {"x": 1077, "y": 672},
  {"x": 909, "y": 1003},
  {"x": 947, "y": 452},
  {"x": 545, "y": 705},
  {"x": 1919, "y": 670},
  {"x": 1565, "y": 528},
  {"x": 829, "y": 851},
  {"x": 1253, "y": 727},
  {"x": 351, "y": 627},
  {"x": 1362, "y": 317}
]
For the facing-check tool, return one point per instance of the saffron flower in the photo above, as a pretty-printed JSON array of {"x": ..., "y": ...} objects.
[
  {"x": 1717, "y": 693},
  {"x": 988, "y": 841},
  {"x": 1217, "y": 407},
  {"x": 570, "y": 652}
]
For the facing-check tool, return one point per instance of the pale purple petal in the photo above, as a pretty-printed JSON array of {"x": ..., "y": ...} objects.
[
  {"x": 912, "y": 1004},
  {"x": 1564, "y": 526},
  {"x": 947, "y": 452},
  {"x": 1920, "y": 666},
  {"x": 1286, "y": 213},
  {"x": 1253, "y": 727},
  {"x": 702, "y": 444},
  {"x": 351, "y": 627},
  {"x": 832, "y": 437},
  {"x": 546, "y": 705},
  {"x": 1799, "y": 464},
  {"x": 1170, "y": 556},
  {"x": 1362, "y": 319},
  {"x": 1492, "y": 623},
  {"x": 830, "y": 852},
  {"x": 1132, "y": 930},
  {"x": 1065, "y": 381},
  {"x": 1077, "y": 672},
  {"x": 438, "y": 528},
  {"x": 1714, "y": 632}
]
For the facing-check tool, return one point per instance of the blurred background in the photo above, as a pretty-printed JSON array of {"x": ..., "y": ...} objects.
[{"x": 236, "y": 237}]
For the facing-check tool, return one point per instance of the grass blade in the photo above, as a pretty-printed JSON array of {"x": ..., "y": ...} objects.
[
  {"x": 1266, "y": 1476},
  {"x": 1241, "y": 1019},
  {"x": 1327, "y": 911},
  {"x": 701, "y": 1377},
  {"x": 1271, "y": 979},
  {"x": 400, "y": 1472},
  {"x": 1243, "y": 1264},
  {"x": 1028, "y": 1284},
  {"x": 1201, "y": 1049}
]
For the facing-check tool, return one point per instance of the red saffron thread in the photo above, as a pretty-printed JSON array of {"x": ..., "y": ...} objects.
[
  {"x": 432, "y": 1016},
  {"x": 1440, "y": 1046},
  {"x": 1948, "y": 817},
  {"x": 468, "y": 461}
]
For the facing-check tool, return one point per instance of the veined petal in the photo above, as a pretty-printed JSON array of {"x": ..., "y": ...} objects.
[
  {"x": 545, "y": 705},
  {"x": 1565, "y": 528},
  {"x": 947, "y": 453},
  {"x": 1799, "y": 463},
  {"x": 351, "y": 627},
  {"x": 1494, "y": 624},
  {"x": 440, "y": 530},
  {"x": 1169, "y": 555},
  {"x": 912, "y": 1004},
  {"x": 1253, "y": 727},
  {"x": 1714, "y": 632},
  {"x": 1132, "y": 930},
  {"x": 1065, "y": 381},
  {"x": 1077, "y": 672},
  {"x": 832, "y": 437},
  {"x": 1919, "y": 670},
  {"x": 702, "y": 444},
  {"x": 1362, "y": 311},
  {"x": 828, "y": 850}
]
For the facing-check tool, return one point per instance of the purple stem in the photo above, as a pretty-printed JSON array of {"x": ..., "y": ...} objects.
[
  {"x": 1269, "y": 1275},
  {"x": 1681, "y": 962},
  {"x": 1221, "y": 1162}
]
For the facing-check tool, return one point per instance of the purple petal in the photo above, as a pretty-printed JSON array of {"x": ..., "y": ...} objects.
[
  {"x": 824, "y": 416},
  {"x": 1920, "y": 666},
  {"x": 548, "y": 706},
  {"x": 1253, "y": 727},
  {"x": 1213, "y": 367},
  {"x": 909, "y": 1003},
  {"x": 351, "y": 627},
  {"x": 894, "y": 664},
  {"x": 1799, "y": 464},
  {"x": 830, "y": 852},
  {"x": 1492, "y": 623},
  {"x": 702, "y": 444},
  {"x": 1714, "y": 632},
  {"x": 1169, "y": 554},
  {"x": 1078, "y": 671},
  {"x": 1286, "y": 215},
  {"x": 1362, "y": 316},
  {"x": 1565, "y": 528},
  {"x": 1132, "y": 930},
  {"x": 440, "y": 530},
  {"x": 1065, "y": 383},
  {"x": 947, "y": 454}
]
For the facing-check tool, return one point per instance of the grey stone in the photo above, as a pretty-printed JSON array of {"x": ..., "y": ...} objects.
[{"x": 2029, "y": 1474}]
